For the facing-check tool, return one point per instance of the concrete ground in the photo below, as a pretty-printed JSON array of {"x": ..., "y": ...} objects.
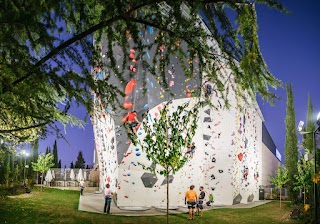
[{"x": 94, "y": 202}]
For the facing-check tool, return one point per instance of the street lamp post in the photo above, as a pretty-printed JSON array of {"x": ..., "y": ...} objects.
[
  {"x": 25, "y": 165},
  {"x": 315, "y": 183},
  {"x": 315, "y": 191}
]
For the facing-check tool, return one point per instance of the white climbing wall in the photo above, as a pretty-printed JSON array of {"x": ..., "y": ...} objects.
[
  {"x": 138, "y": 187},
  {"x": 227, "y": 143},
  {"x": 104, "y": 136},
  {"x": 228, "y": 157}
]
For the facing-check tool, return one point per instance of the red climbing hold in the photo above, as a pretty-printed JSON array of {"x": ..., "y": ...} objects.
[
  {"x": 130, "y": 86},
  {"x": 240, "y": 156},
  {"x": 124, "y": 119},
  {"x": 127, "y": 105}
]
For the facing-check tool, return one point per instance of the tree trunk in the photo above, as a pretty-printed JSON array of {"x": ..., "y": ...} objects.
[
  {"x": 304, "y": 195},
  {"x": 280, "y": 196},
  {"x": 167, "y": 196},
  {"x": 41, "y": 181},
  {"x": 167, "y": 169}
]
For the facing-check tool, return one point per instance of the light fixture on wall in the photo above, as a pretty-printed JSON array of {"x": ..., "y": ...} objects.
[{"x": 316, "y": 131}]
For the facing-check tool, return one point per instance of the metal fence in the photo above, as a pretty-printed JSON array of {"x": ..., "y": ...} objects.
[{"x": 272, "y": 193}]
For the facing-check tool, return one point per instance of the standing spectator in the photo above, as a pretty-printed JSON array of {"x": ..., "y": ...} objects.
[
  {"x": 200, "y": 202},
  {"x": 191, "y": 198},
  {"x": 81, "y": 184},
  {"x": 211, "y": 200},
  {"x": 108, "y": 198}
]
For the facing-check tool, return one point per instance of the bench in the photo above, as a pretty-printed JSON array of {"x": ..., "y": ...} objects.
[{"x": 295, "y": 213}]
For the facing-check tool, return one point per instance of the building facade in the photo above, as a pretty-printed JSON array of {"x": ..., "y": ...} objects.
[{"x": 231, "y": 160}]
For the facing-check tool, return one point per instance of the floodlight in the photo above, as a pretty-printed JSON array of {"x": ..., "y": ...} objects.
[
  {"x": 308, "y": 157},
  {"x": 318, "y": 119},
  {"x": 300, "y": 126}
]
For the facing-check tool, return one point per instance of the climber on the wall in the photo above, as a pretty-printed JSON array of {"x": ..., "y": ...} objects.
[
  {"x": 207, "y": 89},
  {"x": 191, "y": 150},
  {"x": 132, "y": 121}
]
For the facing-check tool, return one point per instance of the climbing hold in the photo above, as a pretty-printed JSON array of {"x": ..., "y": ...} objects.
[
  {"x": 127, "y": 105},
  {"x": 130, "y": 86},
  {"x": 240, "y": 156}
]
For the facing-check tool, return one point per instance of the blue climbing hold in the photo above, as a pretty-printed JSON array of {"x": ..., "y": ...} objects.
[
  {"x": 150, "y": 29},
  {"x": 148, "y": 55}
]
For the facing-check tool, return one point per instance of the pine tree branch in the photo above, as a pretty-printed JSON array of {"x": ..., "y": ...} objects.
[
  {"x": 64, "y": 45},
  {"x": 80, "y": 36},
  {"x": 24, "y": 128}
]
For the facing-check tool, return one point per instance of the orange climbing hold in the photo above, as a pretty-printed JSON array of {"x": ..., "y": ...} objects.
[
  {"x": 130, "y": 86},
  {"x": 127, "y": 105}
]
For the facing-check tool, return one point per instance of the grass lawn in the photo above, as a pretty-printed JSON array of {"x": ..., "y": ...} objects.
[{"x": 58, "y": 206}]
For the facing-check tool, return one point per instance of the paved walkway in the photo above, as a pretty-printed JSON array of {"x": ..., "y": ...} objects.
[{"x": 94, "y": 202}]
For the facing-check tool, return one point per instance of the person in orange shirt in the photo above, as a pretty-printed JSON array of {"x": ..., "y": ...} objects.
[
  {"x": 191, "y": 198},
  {"x": 132, "y": 121}
]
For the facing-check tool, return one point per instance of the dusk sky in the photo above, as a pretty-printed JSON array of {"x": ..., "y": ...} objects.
[{"x": 290, "y": 46}]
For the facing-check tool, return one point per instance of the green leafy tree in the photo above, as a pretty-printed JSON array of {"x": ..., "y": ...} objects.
[
  {"x": 12, "y": 166},
  {"x": 55, "y": 155},
  {"x": 280, "y": 179},
  {"x": 308, "y": 138},
  {"x": 167, "y": 137},
  {"x": 34, "y": 157},
  {"x": 303, "y": 179},
  {"x": 291, "y": 144},
  {"x": 7, "y": 168},
  {"x": 310, "y": 127},
  {"x": 19, "y": 168},
  {"x": 39, "y": 82},
  {"x": 35, "y": 150},
  {"x": 43, "y": 164},
  {"x": 80, "y": 163}
]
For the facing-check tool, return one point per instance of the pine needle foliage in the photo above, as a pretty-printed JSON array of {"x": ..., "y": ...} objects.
[
  {"x": 291, "y": 143},
  {"x": 47, "y": 51}
]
